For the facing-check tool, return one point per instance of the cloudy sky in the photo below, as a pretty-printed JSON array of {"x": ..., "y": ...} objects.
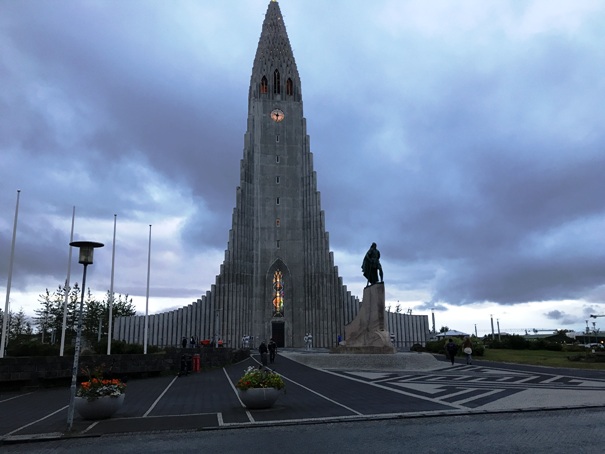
[{"x": 465, "y": 138}]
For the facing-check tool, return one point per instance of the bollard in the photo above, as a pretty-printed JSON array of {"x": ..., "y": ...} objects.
[{"x": 196, "y": 362}]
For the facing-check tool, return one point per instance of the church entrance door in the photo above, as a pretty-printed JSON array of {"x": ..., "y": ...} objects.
[{"x": 277, "y": 333}]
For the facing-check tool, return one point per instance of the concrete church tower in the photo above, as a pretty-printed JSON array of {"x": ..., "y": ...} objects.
[
  {"x": 278, "y": 277},
  {"x": 278, "y": 265}
]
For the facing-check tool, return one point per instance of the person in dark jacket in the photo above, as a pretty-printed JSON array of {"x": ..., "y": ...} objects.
[
  {"x": 262, "y": 349},
  {"x": 272, "y": 350},
  {"x": 451, "y": 348}
]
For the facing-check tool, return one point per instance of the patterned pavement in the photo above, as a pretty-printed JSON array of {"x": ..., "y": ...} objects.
[{"x": 492, "y": 389}]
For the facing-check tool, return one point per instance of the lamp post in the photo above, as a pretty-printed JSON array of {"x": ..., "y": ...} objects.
[{"x": 85, "y": 258}]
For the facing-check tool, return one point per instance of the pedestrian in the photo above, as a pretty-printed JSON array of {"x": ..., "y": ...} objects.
[
  {"x": 272, "y": 350},
  {"x": 467, "y": 349},
  {"x": 262, "y": 349},
  {"x": 184, "y": 342},
  {"x": 309, "y": 341},
  {"x": 451, "y": 348},
  {"x": 192, "y": 342}
]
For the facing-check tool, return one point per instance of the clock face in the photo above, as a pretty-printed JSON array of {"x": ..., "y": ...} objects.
[{"x": 277, "y": 115}]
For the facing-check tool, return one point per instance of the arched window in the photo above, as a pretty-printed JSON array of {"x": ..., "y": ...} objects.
[
  {"x": 289, "y": 87},
  {"x": 278, "y": 294},
  {"x": 276, "y": 82},
  {"x": 263, "y": 85}
]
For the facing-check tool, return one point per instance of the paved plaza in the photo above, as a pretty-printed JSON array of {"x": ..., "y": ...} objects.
[{"x": 320, "y": 388}]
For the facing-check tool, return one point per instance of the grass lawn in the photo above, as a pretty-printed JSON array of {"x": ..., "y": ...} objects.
[{"x": 540, "y": 358}]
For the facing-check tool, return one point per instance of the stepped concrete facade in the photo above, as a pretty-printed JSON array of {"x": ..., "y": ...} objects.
[{"x": 278, "y": 278}]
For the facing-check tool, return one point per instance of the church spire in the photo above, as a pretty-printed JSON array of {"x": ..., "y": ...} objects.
[{"x": 274, "y": 72}]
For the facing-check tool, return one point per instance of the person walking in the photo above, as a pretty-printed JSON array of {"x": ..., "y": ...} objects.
[
  {"x": 451, "y": 348},
  {"x": 467, "y": 349},
  {"x": 272, "y": 350},
  {"x": 262, "y": 349}
]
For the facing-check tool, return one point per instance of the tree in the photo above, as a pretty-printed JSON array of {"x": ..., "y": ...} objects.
[
  {"x": 95, "y": 314},
  {"x": 44, "y": 318},
  {"x": 49, "y": 319},
  {"x": 121, "y": 307},
  {"x": 92, "y": 317},
  {"x": 2, "y": 321},
  {"x": 19, "y": 325},
  {"x": 444, "y": 329}
]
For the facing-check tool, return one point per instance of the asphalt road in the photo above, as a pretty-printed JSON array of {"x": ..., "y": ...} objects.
[{"x": 558, "y": 431}]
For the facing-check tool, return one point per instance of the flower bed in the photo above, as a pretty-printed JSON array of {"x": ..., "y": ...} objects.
[
  {"x": 259, "y": 378},
  {"x": 97, "y": 386}
]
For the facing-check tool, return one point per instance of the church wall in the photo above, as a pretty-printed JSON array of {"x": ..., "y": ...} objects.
[{"x": 407, "y": 329}]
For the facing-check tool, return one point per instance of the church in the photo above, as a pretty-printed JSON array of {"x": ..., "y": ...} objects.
[{"x": 278, "y": 279}]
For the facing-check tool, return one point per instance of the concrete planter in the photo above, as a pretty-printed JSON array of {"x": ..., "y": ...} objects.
[
  {"x": 100, "y": 408},
  {"x": 258, "y": 398}
]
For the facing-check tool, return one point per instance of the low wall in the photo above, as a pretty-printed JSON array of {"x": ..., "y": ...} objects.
[{"x": 40, "y": 371}]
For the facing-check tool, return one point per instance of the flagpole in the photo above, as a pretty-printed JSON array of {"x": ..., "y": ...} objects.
[
  {"x": 147, "y": 298},
  {"x": 113, "y": 261},
  {"x": 66, "y": 288},
  {"x": 10, "y": 278}
]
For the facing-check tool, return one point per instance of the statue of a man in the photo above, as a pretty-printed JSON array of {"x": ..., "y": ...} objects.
[{"x": 371, "y": 266}]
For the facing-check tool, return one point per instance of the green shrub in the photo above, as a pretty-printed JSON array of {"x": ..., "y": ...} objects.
[
  {"x": 574, "y": 348},
  {"x": 516, "y": 342},
  {"x": 435, "y": 347},
  {"x": 31, "y": 348},
  {"x": 478, "y": 348},
  {"x": 554, "y": 346}
]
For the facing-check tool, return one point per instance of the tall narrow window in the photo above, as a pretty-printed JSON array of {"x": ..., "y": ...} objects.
[
  {"x": 277, "y": 138},
  {"x": 277, "y": 222},
  {"x": 277, "y": 244},
  {"x": 289, "y": 87},
  {"x": 277, "y": 201},
  {"x": 278, "y": 293},
  {"x": 276, "y": 82},
  {"x": 277, "y": 158},
  {"x": 277, "y": 179},
  {"x": 264, "y": 86}
]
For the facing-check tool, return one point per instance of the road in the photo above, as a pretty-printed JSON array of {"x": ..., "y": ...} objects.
[{"x": 557, "y": 431}]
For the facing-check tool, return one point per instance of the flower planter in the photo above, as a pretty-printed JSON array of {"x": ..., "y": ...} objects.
[
  {"x": 258, "y": 398},
  {"x": 99, "y": 408}
]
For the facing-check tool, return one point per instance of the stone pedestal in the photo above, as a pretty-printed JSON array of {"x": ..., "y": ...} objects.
[{"x": 366, "y": 333}]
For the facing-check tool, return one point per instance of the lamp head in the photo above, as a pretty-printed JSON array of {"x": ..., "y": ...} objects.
[{"x": 86, "y": 250}]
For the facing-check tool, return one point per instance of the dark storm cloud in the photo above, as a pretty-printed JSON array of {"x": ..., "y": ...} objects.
[
  {"x": 493, "y": 165},
  {"x": 466, "y": 142},
  {"x": 430, "y": 307}
]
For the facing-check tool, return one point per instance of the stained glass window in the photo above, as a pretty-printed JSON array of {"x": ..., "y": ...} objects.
[
  {"x": 278, "y": 294},
  {"x": 263, "y": 85}
]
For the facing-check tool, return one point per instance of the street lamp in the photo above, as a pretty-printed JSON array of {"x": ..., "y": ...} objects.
[{"x": 85, "y": 258}]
